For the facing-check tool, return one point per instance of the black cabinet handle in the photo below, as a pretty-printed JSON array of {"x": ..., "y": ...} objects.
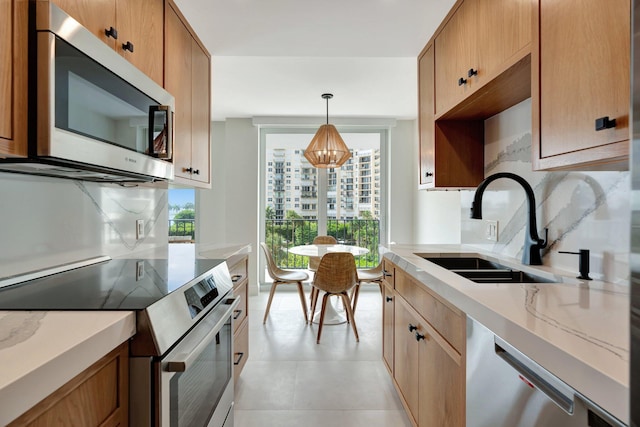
[
  {"x": 412, "y": 327},
  {"x": 419, "y": 336},
  {"x": 604, "y": 123},
  {"x": 240, "y": 355},
  {"x": 238, "y": 313},
  {"x": 128, "y": 46},
  {"x": 187, "y": 170},
  {"x": 472, "y": 72},
  {"x": 462, "y": 81},
  {"x": 111, "y": 32},
  {"x": 428, "y": 174},
  {"x": 389, "y": 299},
  {"x": 386, "y": 273},
  {"x": 196, "y": 172}
]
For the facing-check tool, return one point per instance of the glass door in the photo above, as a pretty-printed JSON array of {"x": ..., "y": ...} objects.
[{"x": 300, "y": 202}]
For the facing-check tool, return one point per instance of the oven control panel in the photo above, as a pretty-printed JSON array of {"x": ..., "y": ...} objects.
[{"x": 201, "y": 295}]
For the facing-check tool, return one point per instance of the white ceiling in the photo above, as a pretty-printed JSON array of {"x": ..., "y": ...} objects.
[{"x": 276, "y": 57}]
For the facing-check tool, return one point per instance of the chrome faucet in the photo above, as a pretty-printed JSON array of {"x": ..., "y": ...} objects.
[{"x": 533, "y": 244}]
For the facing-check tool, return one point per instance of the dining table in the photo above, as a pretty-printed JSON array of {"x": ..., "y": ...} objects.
[{"x": 334, "y": 315}]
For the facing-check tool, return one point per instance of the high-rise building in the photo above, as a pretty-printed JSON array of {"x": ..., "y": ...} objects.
[{"x": 353, "y": 189}]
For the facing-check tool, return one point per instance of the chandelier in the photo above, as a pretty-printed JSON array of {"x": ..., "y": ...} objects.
[{"x": 327, "y": 149}]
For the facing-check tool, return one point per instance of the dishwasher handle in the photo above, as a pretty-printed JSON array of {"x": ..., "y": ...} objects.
[{"x": 521, "y": 364}]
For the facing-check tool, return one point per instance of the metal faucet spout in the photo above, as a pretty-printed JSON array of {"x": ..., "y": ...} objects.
[{"x": 533, "y": 243}]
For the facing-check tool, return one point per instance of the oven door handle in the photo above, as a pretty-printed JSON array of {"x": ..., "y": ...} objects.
[{"x": 190, "y": 348}]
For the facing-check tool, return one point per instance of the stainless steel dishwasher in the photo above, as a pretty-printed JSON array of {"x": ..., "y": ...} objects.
[{"x": 507, "y": 389}]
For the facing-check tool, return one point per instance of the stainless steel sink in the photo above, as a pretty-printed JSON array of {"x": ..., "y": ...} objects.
[{"x": 480, "y": 270}]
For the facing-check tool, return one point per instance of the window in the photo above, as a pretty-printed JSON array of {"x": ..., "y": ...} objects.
[{"x": 321, "y": 201}]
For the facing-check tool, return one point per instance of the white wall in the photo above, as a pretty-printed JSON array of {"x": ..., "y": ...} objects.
[
  {"x": 51, "y": 221},
  {"x": 228, "y": 213}
]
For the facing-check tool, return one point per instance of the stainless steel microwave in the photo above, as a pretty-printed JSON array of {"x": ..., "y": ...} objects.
[{"x": 94, "y": 116}]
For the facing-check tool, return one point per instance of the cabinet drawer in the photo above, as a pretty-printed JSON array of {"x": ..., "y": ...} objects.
[
  {"x": 240, "y": 313},
  {"x": 240, "y": 349},
  {"x": 450, "y": 323},
  {"x": 238, "y": 269}
]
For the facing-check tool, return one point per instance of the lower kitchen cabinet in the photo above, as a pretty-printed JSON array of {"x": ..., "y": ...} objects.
[
  {"x": 98, "y": 396},
  {"x": 387, "y": 326},
  {"x": 424, "y": 349},
  {"x": 429, "y": 373},
  {"x": 239, "y": 269}
]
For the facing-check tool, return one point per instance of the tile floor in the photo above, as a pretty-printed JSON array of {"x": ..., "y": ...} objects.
[{"x": 289, "y": 380}]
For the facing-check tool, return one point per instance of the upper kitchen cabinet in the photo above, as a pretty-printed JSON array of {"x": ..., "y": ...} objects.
[
  {"x": 188, "y": 78},
  {"x": 456, "y": 57},
  {"x": 580, "y": 92},
  {"x": 482, "y": 40},
  {"x": 426, "y": 86},
  {"x": 13, "y": 77},
  {"x": 451, "y": 152},
  {"x": 134, "y": 28},
  {"x": 477, "y": 64}
]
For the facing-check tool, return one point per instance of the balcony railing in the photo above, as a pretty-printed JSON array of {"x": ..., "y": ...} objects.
[
  {"x": 286, "y": 233},
  {"x": 182, "y": 230}
]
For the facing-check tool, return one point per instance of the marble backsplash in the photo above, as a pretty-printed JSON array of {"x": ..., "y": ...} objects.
[
  {"x": 582, "y": 210},
  {"x": 51, "y": 221}
]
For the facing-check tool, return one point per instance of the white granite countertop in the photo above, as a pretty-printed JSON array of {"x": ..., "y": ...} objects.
[
  {"x": 578, "y": 330},
  {"x": 42, "y": 350}
]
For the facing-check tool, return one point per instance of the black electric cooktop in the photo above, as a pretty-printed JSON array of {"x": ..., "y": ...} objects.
[{"x": 117, "y": 284}]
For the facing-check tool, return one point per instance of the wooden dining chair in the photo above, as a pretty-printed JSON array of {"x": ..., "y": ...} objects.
[
  {"x": 336, "y": 275},
  {"x": 281, "y": 276},
  {"x": 367, "y": 275},
  {"x": 320, "y": 240},
  {"x": 314, "y": 261}
]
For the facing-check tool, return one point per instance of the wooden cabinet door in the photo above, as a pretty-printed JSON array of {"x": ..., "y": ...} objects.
[
  {"x": 201, "y": 113},
  {"x": 442, "y": 379},
  {"x": 141, "y": 22},
  {"x": 426, "y": 82},
  {"x": 13, "y": 77},
  {"x": 6, "y": 68},
  {"x": 94, "y": 15},
  {"x": 387, "y": 326},
  {"x": 584, "y": 76},
  {"x": 504, "y": 29},
  {"x": 406, "y": 361},
  {"x": 178, "y": 82},
  {"x": 455, "y": 55}
]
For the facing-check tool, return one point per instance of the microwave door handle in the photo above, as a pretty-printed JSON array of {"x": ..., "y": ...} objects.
[
  {"x": 552, "y": 392},
  {"x": 189, "y": 350}
]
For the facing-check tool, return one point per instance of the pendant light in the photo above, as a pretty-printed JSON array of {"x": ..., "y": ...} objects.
[{"x": 327, "y": 149}]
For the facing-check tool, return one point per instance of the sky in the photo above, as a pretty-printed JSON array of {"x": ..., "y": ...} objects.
[{"x": 182, "y": 196}]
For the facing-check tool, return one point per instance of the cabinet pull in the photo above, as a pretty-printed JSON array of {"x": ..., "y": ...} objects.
[
  {"x": 236, "y": 277},
  {"x": 238, "y": 313},
  {"x": 428, "y": 174},
  {"x": 240, "y": 355},
  {"x": 604, "y": 123},
  {"x": 472, "y": 72},
  {"x": 196, "y": 172},
  {"x": 462, "y": 81},
  {"x": 187, "y": 170},
  {"x": 389, "y": 299},
  {"x": 419, "y": 336},
  {"x": 412, "y": 327},
  {"x": 128, "y": 46},
  {"x": 386, "y": 273},
  {"x": 111, "y": 32}
]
